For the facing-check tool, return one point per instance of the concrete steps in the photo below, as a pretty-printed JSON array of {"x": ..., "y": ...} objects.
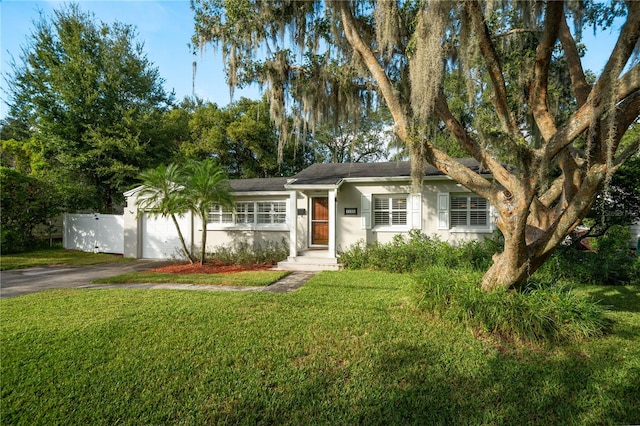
[{"x": 312, "y": 260}]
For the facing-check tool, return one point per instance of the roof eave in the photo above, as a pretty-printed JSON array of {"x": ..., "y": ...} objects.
[
  {"x": 259, "y": 193},
  {"x": 313, "y": 187}
]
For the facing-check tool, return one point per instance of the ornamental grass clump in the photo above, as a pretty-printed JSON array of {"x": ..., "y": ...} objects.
[{"x": 540, "y": 312}]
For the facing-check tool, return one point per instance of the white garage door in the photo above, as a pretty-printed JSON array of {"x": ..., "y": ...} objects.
[{"x": 160, "y": 238}]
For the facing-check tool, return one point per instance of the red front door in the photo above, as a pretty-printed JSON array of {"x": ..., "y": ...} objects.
[{"x": 320, "y": 221}]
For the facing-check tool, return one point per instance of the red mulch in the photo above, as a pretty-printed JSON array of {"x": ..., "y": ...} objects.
[{"x": 208, "y": 268}]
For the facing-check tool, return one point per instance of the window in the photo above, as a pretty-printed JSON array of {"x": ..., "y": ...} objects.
[
  {"x": 468, "y": 211},
  {"x": 245, "y": 212},
  {"x": 250, "y": 213},
  {"x": 390, "y": 210},
  {"x": 272, "y": 212},
  {"x": 218, "y": 214}
]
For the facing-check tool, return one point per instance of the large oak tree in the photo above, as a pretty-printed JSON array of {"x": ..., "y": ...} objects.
[{"x": 523, "y": 106}]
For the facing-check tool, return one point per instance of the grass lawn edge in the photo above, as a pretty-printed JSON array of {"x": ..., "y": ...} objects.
[{"x": 238, "y": 279}]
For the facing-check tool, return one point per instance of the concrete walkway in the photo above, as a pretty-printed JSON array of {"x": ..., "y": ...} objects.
[
  {"x": 32, "y": 280},
  {"x": 288, "y": 284}
]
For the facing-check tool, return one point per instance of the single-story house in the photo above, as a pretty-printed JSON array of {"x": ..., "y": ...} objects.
[{"x": 321, "y": 210}]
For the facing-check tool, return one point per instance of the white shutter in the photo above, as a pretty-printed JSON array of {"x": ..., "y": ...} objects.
[
  {"x": 365, "y": 211},
  {"x": 443, "y": 210},
  {"x": 416, "y": 211}
]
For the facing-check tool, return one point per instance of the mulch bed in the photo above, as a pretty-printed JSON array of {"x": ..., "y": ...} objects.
[{"x": 208, "y": 268}]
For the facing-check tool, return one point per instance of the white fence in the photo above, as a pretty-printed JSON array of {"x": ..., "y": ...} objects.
[
  {"x": 635, "y": 234},
  {"x": 102, "y": 233}
]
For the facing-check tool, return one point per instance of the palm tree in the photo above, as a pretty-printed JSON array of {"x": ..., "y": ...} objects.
[
  {"x": 162, "y": 194},
  {"x": 206, "y": 185}
]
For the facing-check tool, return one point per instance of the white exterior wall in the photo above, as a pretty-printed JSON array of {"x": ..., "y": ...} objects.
[
  {"x": 350, "y": 229},
  {"x": 153, "y": 237},
  {"x": 302, "y": 221},
  {"x": 230, "y": 235}
]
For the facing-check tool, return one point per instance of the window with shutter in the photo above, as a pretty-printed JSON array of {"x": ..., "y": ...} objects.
[
  {"x": 390, "y": 210},
  {"x": 468, "y": 210}
]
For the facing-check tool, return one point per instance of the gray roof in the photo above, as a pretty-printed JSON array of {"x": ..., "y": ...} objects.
[
  {"x": 333, "y": 173},
  {"x": 258, "y": 184}
]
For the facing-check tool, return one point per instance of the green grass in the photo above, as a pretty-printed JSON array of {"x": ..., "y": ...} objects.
[
  {"x": 57, "y": 256},
  {"x": 347, "y": 348},
  {"x": 245, "y": 278}
]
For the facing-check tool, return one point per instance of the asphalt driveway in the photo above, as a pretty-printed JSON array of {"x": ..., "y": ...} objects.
[{"x": 31, "y": 280}]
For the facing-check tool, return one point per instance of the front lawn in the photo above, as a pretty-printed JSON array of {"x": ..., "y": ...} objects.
[
  {"x": 57, "y": 257},
  {"x": 347, "y": 348},
  {"x": 244, "y": 278}
]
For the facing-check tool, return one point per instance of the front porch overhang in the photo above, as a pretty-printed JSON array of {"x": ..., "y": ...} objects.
[
  {"x": 332, "y": 194},
  {"x": 313, "y": 187}
]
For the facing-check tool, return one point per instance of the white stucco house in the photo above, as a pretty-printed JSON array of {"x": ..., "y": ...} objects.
[{"x": 321, "y": 210}]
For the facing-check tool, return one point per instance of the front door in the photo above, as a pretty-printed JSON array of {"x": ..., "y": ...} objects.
[{"x": 319, "y": 221}]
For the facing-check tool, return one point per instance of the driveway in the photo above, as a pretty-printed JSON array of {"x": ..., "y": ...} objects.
[{"x": 31, "y": 280}]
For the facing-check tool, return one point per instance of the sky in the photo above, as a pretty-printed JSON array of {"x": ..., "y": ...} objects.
[{"x": 166, "y": 27}]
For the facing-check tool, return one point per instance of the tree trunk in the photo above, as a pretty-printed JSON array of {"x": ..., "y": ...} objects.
[
  {"x": 511, "y": 273},
  {"x": 204, "y": 239},
  {"x": 506, "y": 272},
  {"x": 186, "y": 251}
]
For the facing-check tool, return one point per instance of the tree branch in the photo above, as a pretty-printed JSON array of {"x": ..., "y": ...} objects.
[
  {"x": 631, "y": 150},
  {"x": 553, "y": 192},
  {"x": 626, "y": 113},
  {"x": 434, "y": 156},
  {"x": 622, "y": 51},
  {"x": 518, "y": 31},
  {"x": 570, "y": 217},
  {"x": 582, "y": 118},
  {"x": 495, "y": 69},
  {"x": 581, "y": 88},
  {"x": 390, "y": 95},
  {"x": 538, "y": 95},
  {"x": 471, "y": 145}
]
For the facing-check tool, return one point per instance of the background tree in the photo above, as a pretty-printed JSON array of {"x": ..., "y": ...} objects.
[
  {"x": 242, "y": 138},
  {"x": 162, "y": 195},
  {"x": 91, "y": 99},
  {"x": 365, "y": 140},
  {"x": 531, "y": 117},
  {"x": 25, "y": 203}
]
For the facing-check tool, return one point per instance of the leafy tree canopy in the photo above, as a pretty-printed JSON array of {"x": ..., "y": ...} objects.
[
  {"x": 504, "y": 79},
  {"x": 25, "y": 202},
  {"x": 91, "y": 98},
  {"x": 365, "y": 140},
  {"x": 240, "y": 136}
]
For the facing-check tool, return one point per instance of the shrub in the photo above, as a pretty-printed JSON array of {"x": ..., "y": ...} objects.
[
  {"x": 244, "y": 254},
  {"x": 417, "y": 252},
  {"x": 612, "y": 264},
  {"x": 25, "y": 202},
  {"x": 541, "y": 312}
]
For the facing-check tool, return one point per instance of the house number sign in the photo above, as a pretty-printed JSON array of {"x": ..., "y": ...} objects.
[{"x": 350, "y": 211}]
